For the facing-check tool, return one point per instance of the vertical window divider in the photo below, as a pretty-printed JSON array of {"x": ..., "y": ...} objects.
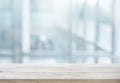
[
  {"x": 16, "y": 50},
  {"x": 116, "y": 29},
  {"x": 97, "y": 30},
  {"x": 1, "y": 13},
  {"x": 85, "y": 21},
  {"x": 26, "y": 31},
  {"x": 69, "y": 54},
  {"x": 113, "y": 30}
]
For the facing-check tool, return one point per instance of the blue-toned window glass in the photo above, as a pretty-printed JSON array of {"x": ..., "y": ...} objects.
[
  {"x": 6, "y": 23},
  {"x": 48, "y": 39},
  {"x": 59, "y": 31},
  {"x": 91, "y": 20},
  {"x": 106, "y": 24},
  {"x": 78, "y": 30},
  {"x": 90, "y": 24}
]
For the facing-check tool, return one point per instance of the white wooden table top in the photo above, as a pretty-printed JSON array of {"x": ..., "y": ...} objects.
[{"x": 60, "y": 71}]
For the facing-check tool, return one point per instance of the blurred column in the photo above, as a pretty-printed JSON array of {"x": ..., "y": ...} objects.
[
  {"x": 0, "y": 13},
  {"x": 117, "y": 27},
  {"x": 26, "y": 26},
  {"x": 16, "y": 44}
]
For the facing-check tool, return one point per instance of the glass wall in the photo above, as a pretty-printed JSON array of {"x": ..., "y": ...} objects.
[
  {"x": 6, "y": 36},
  {"x": 48, "y": 40},
  {"x": 59, "y": 31}
]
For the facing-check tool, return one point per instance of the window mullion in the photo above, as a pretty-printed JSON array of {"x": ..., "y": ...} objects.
[{"x": 17, "y": 55}]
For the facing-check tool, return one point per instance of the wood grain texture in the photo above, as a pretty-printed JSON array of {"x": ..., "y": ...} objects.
[
  {"x": 60, "y": 81},
  {"x": 63, "y": 71}
]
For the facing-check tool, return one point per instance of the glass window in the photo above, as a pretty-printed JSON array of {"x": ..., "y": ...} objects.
[
  {"x": 6, "y": 35},
  {"x": 59, "y": 31},
  {"x": 47, "y": 37},
  {"x": 105, "y": 27},
  {"x": 105, "y": 37}
]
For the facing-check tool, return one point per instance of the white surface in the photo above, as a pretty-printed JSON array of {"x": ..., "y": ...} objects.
[{"x": 66, "y": 71}]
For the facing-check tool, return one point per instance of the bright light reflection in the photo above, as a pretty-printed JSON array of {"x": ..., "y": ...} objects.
[{"x": 92, "y": 2}]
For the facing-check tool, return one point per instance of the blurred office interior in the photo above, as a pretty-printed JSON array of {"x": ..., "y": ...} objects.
[{"x": 60, "y": 31}]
